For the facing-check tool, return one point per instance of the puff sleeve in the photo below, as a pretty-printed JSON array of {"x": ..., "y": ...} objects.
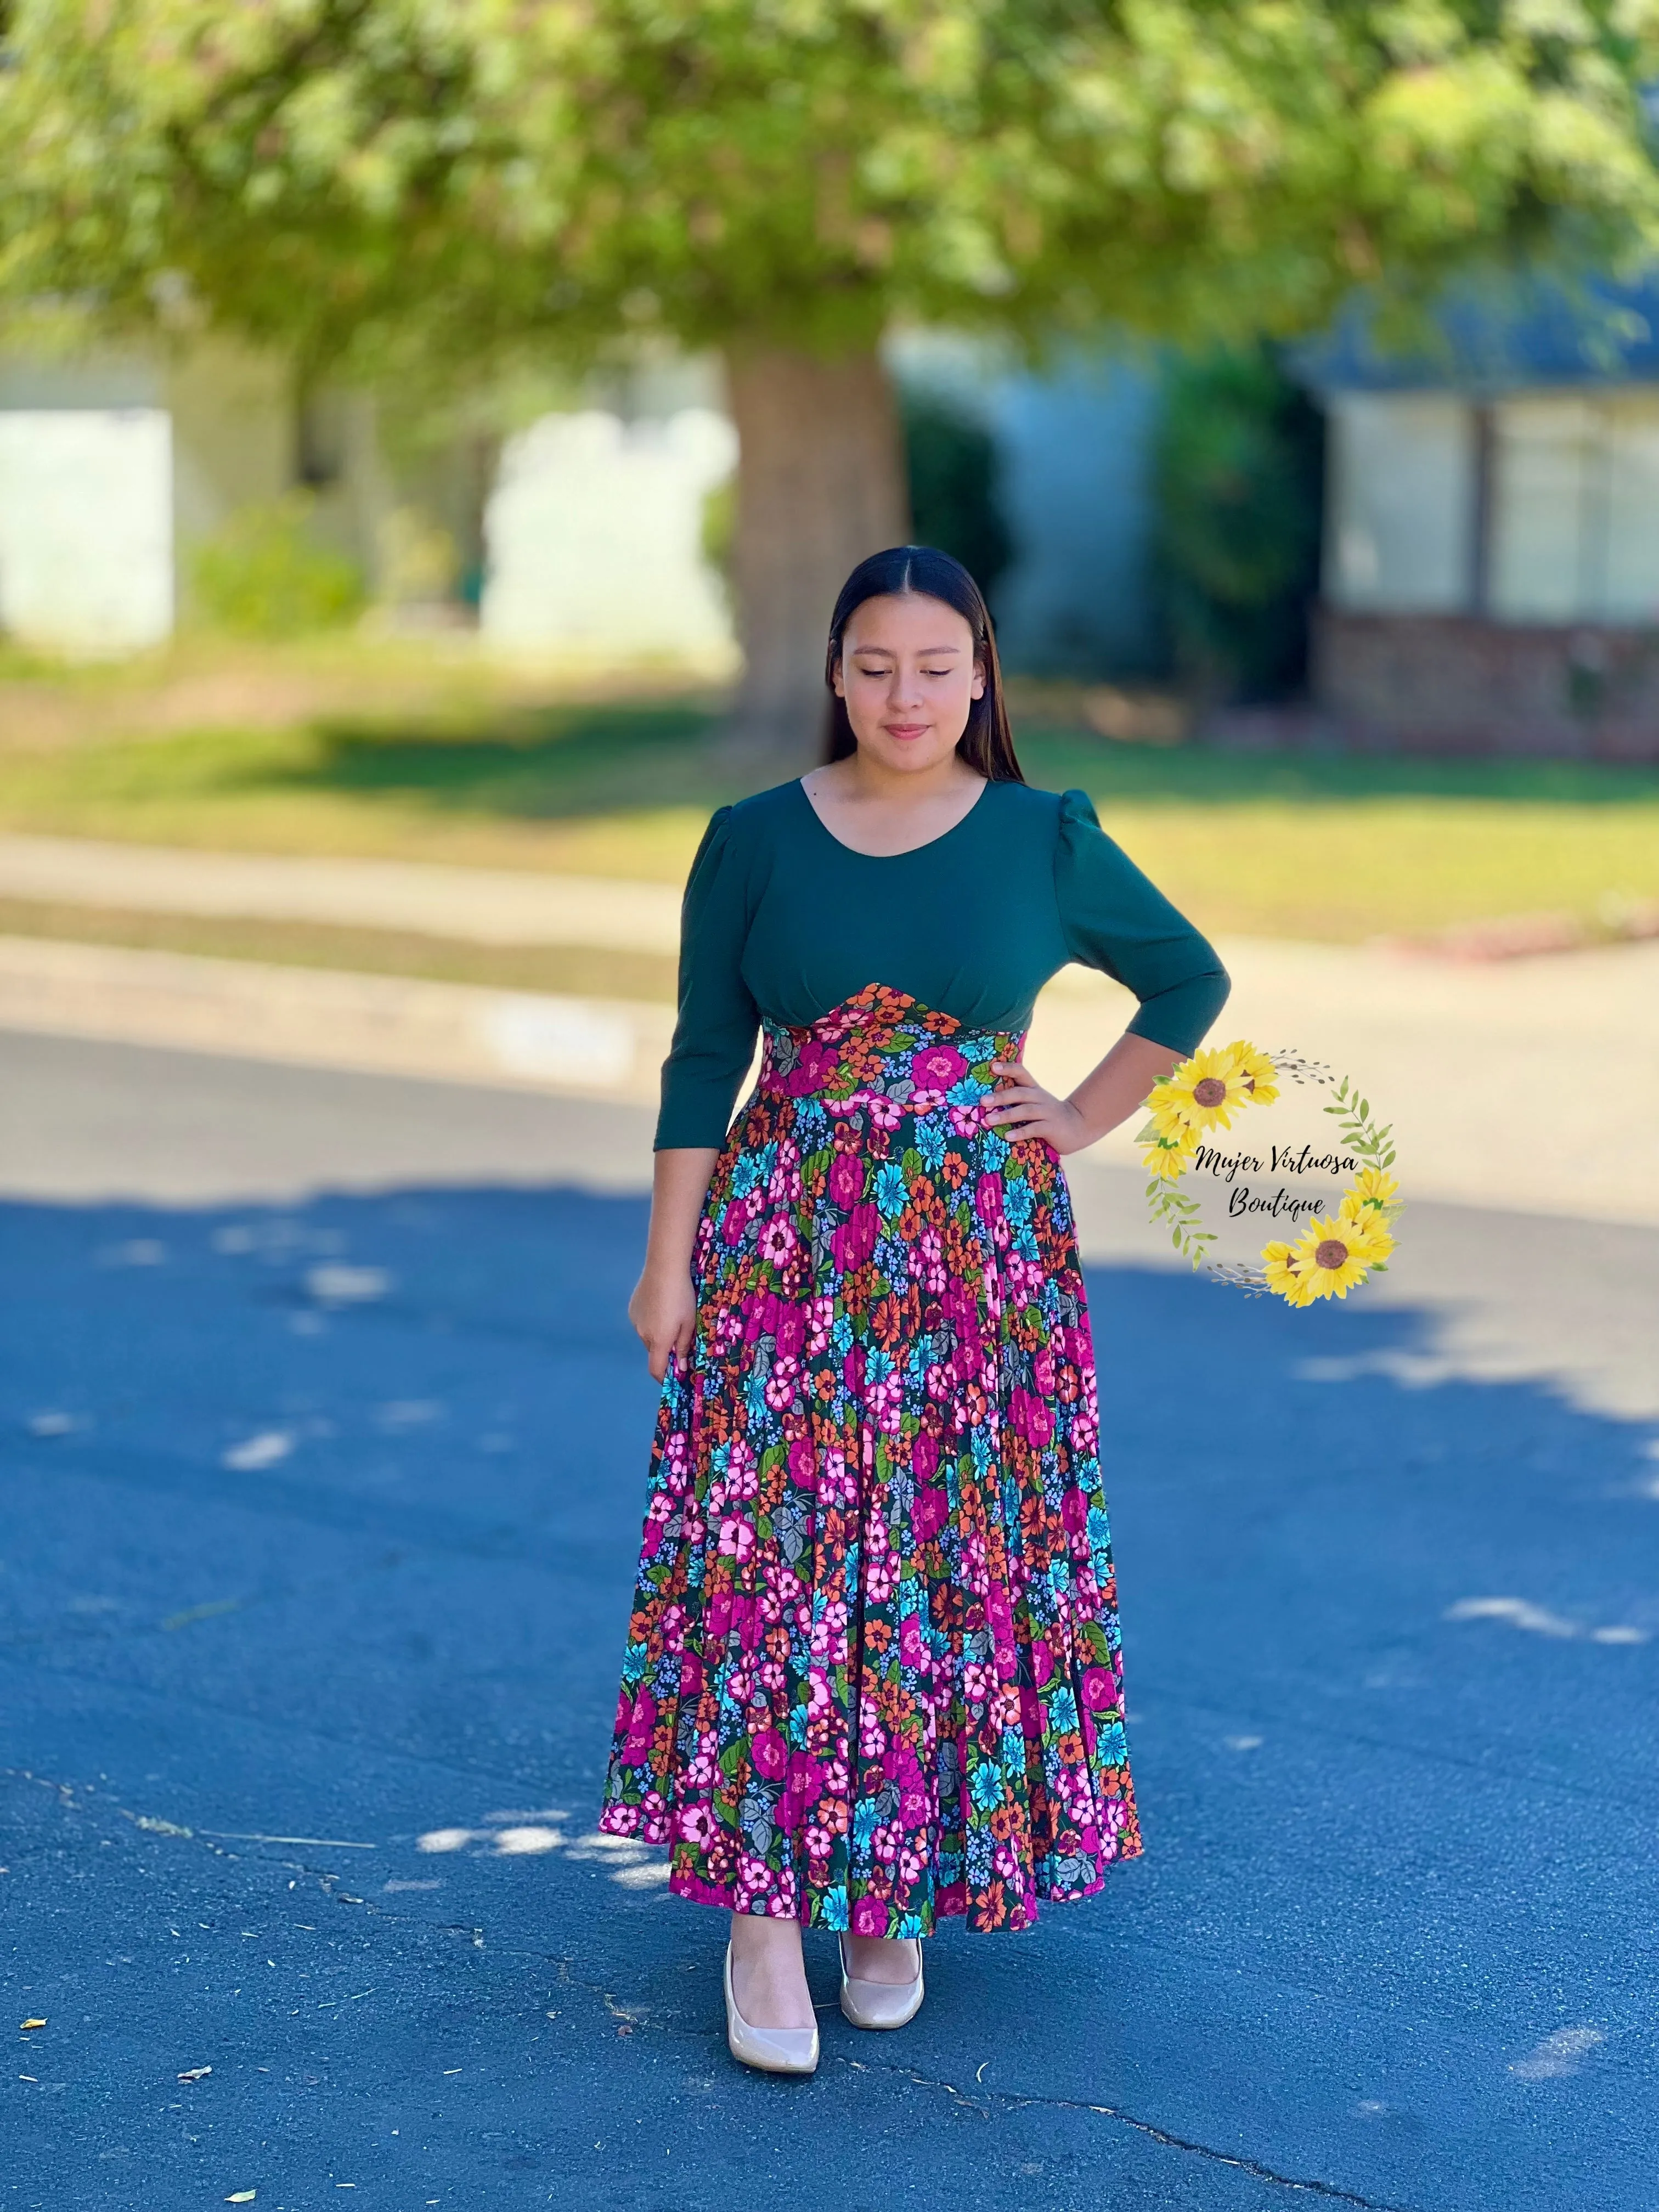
[
  {"x": 1115, "y": 919},
  {"x": 714, "y": 1035}
]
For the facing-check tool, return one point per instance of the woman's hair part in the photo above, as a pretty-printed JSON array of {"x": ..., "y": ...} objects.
[{"x": 986, "y": 745}]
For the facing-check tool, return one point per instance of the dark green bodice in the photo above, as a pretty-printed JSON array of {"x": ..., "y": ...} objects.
[{"x": 783, "y": 920}]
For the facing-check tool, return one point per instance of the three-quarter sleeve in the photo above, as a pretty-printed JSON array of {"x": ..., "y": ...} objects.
[
  {"x": 1115, "y": 919},
  {"x": 715, "y": 1034}
]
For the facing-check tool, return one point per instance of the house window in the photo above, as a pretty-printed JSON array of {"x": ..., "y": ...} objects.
[
  {"x": 1575, "y": 509},
  {"x": 1400, "y": 538}
]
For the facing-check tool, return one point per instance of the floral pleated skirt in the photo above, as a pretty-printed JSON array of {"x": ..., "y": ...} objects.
[{"x": 873, "y": 1672}]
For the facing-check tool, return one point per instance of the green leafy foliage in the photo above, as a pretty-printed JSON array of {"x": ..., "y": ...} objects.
[
  {"x": 1181, "y": 1215},
  {"x": 951, "y": 463},
  {"x": 263, "y": 574},
  {"x": 431, "y": 181},
  {"x": 1239, "y": 466},
  {"x": 718, "y": 528},
  {"x": 1360, "y": 1132}
]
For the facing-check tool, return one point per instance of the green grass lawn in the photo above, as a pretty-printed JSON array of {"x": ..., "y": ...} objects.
[{"x": 1324, "y": 846}]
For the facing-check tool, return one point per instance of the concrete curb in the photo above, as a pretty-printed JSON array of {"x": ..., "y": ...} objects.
[{"x": 385, "y": 1024}]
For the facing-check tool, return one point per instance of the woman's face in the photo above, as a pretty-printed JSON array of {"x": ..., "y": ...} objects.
[{"x": 909, "y": 676}]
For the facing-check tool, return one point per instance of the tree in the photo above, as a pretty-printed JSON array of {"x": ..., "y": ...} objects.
[{"x": 370, "y": 182}]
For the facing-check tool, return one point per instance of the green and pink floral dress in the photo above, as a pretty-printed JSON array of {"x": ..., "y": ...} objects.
[{"x": 873, "y": 1672}]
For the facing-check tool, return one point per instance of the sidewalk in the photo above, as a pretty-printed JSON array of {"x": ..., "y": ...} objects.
[{"x": 1524, "y": 1084}]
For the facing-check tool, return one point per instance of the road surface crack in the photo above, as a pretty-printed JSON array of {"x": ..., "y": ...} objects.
[
  {"x": 631, "y": 2017},
  {"x": 1013, "y": 2100}
]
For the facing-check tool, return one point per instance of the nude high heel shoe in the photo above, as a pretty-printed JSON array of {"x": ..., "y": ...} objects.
[
  {"x": 880, "y": 2004},
  {"x": 772, "y": 2050}
]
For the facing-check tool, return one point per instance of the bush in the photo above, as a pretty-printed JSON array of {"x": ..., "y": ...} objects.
[
  {"x": 1239, "y": 470},
  {"x": 264, "y": 574},
  {"x": 951, "y": 463}
]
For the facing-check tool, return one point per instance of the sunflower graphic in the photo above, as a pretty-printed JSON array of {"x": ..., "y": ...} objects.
[
  {"x": 1261, "y": 1076},
  {"x": 1372, "y": 1190},
  {"x": 1282, "y": 1274},
  {"x": 1200, "y": 1095},
  {"x": 1167, "y": 1156},
  {"x": 1333, "y": 1254}
]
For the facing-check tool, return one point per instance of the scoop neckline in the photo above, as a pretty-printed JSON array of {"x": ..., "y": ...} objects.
[{"x": 926, "y": 845}]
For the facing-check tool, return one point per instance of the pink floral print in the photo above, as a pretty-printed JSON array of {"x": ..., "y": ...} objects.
[{"x": 873, "y": 1674}]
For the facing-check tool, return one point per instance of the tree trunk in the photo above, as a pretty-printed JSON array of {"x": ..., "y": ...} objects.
[{"x": 820, "y": 484}]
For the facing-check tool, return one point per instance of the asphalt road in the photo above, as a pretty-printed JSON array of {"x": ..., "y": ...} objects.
[{"x": 324, "y": 1454}]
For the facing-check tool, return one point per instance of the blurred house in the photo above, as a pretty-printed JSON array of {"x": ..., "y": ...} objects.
[
  {"x": 592, "y": 532},
  {"x": 115, "y": 467},
  {"x": 126, "y": 477},
  {"x": 1491, "y": 551},
  {"x": 600, "y": 529},
  {"x": 131, "y": 481},
  {"x": 1491, "y": 548}
]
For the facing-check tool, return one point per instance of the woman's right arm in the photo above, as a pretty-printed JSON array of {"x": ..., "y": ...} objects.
[
  {"x": 713, "y": 1040},
  {"x": 664, "y": 1306}
]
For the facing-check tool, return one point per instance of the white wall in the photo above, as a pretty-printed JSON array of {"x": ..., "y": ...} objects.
[
  {"x": 594, "y": 536},
  {"x": 86, "y": 527},
  {"x": 112, "y": 466}
]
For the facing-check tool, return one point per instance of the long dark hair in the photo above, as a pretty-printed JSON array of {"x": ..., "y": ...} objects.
[{"x": 987, "y": 742}]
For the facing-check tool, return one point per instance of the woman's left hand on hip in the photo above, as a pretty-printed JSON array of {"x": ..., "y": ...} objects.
[{"x": 1021, "y": 1111}]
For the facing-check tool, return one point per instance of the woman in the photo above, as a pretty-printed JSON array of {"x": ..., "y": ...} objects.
[{"x": 872, "y": 1676}]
